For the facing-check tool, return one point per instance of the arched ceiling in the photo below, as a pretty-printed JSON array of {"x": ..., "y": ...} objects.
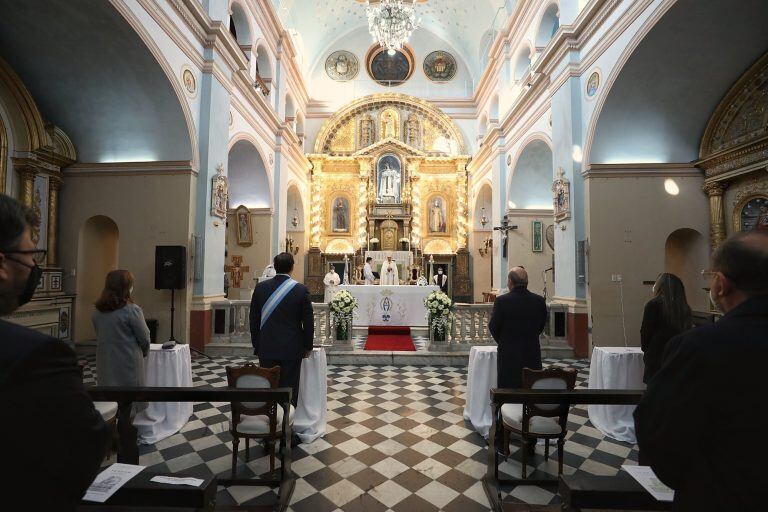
[
  {"x": 91, "y": 74},
  {"x": 659, "y": 106},
  {"x": 461, "y": 23},
  {"x": 531, "y": 183},
  {"x": 247, "y": 174}
]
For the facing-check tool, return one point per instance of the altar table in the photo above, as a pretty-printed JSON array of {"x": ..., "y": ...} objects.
[
  {"x": 390, "y": 305},
  {"x": 615, "y": 368},
  {"x": 481, "y": 377},
  {"x": 311, "y": 411},
  {"x": 171, "y": 368}
]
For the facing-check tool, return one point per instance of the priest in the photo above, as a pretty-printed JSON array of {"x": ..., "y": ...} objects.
[
  {"x": 441, "y": 280},
  {"x": 389, "y": 275},
  {"x": 368, "y": 271},
  {"x": 331, "y": 282}
]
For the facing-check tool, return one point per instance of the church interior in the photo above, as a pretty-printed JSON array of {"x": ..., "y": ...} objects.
[{"x": 597, "y": 144}]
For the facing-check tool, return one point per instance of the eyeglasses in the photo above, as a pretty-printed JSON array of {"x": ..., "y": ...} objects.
[{"x": 38, "y": 255}]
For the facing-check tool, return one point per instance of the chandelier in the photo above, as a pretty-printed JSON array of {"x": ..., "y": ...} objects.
[{"x": 391, "y": 22}]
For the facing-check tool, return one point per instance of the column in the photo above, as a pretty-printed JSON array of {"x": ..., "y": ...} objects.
[
  {"x": 500, "y": 264},
  {"x": 315, "y": 210},
  {"x": 362, "y": 202},
  {"x": 462, "y": 212},
  {"x": 717, "y": 232},
  {"x": 54, "y": 185},
  {"x": 26, "y": 185}
]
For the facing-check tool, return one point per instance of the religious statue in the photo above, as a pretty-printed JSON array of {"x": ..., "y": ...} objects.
[
  {"x": 390, "y": 179},
  {"x": 389, "y": 275},
  {"x": 242, "y": 225},
  {"x": 331, "y": 282},
  {"x": 269, "y": 272},
  {"x": 389, "y": 126},
  {"x": 412, "y": 130},
  {"x": 219, "y": 193},
  {"x": 340, "y": 223},
  {"x": 437, "y": 217},
  {"x": 366, "y": 131}
]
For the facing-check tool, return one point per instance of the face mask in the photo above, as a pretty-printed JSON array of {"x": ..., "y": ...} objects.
[
  {"x": 439, "y": 271},
  {"x": 30, "y": 286},
  {"x": 713, "y": 301}
]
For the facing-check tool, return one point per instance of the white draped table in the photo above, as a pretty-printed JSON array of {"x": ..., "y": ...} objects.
[
  {"x": 615, "y": 368},
  {"x": 311, "y": 411},
  {"x": 171, "y": 368},
  {"x": 390, "y": 305},
  {"x": 481, "y": 377}
]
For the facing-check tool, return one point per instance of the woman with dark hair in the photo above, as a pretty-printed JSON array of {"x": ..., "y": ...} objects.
[
  {"x": 666, "y": 315},
  {"x": 121, "y": 333}
]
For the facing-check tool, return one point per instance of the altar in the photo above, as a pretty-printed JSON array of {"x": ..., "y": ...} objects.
[{"x": 390, "y": 305}]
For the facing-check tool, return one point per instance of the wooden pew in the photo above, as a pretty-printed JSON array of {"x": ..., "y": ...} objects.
[
  {"x": 128, "y": 451},
  {"x": 584, "y": 491},
  {"x": 499, "y": 397}
]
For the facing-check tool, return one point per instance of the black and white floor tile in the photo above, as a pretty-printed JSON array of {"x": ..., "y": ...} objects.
[{"x": 396, "y": 440}]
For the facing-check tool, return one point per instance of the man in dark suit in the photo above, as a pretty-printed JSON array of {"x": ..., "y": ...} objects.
[
  {"x": 53, "y": 438},
  {"x": 516, "y": 322},
  {"x": 700, "y": 424},
  {"x": 282, "y": 323}
]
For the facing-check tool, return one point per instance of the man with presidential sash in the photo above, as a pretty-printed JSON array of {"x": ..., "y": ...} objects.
[{"x": 282, "y": 323}]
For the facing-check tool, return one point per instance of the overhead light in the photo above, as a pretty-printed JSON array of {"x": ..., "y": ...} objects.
[
  {"x": 671, "y": 187},
  {"x": 391, "y": 52},
  {"x": 391, "y": 22}
]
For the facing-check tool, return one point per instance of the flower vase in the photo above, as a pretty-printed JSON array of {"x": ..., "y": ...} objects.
[
  {"x": 341, "y": 331},
  {"x": 437, "y": 334}
]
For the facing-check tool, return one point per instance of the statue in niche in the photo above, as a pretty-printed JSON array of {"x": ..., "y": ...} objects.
[
  {"x": 437, "y": 216},
  {"x": 389, "y": 178},
  {"x": 340, "y": 216},
  {"x": 390, "y": 124},
  {"x": 412, "y": 130},
  {"x": 366, "y": 131}
]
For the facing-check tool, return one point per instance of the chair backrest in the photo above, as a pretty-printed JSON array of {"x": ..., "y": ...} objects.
[
  {"x": 250, "y": 376},
  {"x": 549, "y": 378}
]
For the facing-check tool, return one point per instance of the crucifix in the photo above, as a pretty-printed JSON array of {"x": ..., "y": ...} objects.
[
  {"x": 237, "y": 270},
  {"x": 503, "y": 230}
]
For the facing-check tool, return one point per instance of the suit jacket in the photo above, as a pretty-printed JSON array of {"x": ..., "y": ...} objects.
[
  {"x": 290, "y": 330},
  {"x": 54, "y": 439},
  {"x": 516, "y": 322},
  {"x": 704, "y": 404},
  {"x": 655, "y": 333}
]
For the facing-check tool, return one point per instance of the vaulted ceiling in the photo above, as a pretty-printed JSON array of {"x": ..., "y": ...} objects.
[{"x": 461, "y": 23}]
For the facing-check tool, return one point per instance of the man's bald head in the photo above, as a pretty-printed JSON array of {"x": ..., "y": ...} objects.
[
  {"x": 743, "y": 260},
  {"x": 518, "y": 278}
]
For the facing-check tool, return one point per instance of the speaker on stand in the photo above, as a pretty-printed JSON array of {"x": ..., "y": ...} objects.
[{"x": 171, "y": 274}]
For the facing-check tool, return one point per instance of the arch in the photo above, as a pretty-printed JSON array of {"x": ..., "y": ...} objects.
[
  {"x": 264, "y": 66},
  {"x": 530, "y": 182},
  {"x": 240, "y": 24},
  {"x": 25, "y": 121},
  {"x": 548, "y": 25},
  {"x": 482, "y": 126},
  {"x": 493, "y": 109},
  {"x": 249, "y": 182},
  {"x": 686, "y": 253},
  {"x": 486, "y": 41},
  {"x": 300, "y": 123},
  {"x": 295, "y": 207},
  {"x": 97, "y": 254},
  {"x": 522, "y": 63},
  {"x": 94, "y": 112},
  {"x": 290, "y": 111},
  {"x": 665, "y": 89}
]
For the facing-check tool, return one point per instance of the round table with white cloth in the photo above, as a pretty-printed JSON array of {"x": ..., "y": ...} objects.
[
  {"x": 481, "y": 377},
  {"x": 167, "y": 368},
  {"x": 615, "y": 368},
  {"x": 311, "y": 414}
]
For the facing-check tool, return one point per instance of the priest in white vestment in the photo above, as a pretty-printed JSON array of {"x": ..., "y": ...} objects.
[
  {"x": 389, "y": 275},
  {"x": 331, "y": 282},
  {"x": 368, "y": 271}
]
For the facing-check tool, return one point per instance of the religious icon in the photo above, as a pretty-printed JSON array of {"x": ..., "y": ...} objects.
[
  {"x": 592, "y": 84},
  {"x": 190, "y": 84},
  {"x": 561, "y": 197},
  {"x": 390, "y": 124},
  {"x": 219, "y": 193},
  {"x": 389, "y": 70},
  {"x": 341, "y": 66},
  {"x": 412, "y": 130},
  {"x": 340, "y": 222},
  {"x": 537, "y": 241},
  {"x": 389, "y": 180},
  {"x": 440, "y": 66},
  {"x": 243, "y": 226},
  {"x": 437, "y": 216},
  {"x": 366, "y": 131},
  {"x": 754, "y": 214}
]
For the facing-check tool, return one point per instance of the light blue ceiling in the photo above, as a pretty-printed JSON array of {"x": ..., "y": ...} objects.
[{"x": 461, "y": 23}]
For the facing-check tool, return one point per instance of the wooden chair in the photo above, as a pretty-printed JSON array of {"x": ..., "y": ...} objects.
[
  {"x": 534, "y": 421},
  {"x": 255, "y": 420},
  {"x": 108, "y": 411}
]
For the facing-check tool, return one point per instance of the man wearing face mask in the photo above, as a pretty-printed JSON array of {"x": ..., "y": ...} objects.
[
  {"x": 711, "y": 385},
  {"x": 441, "y": 280},
  {"x": 40, "y": 388}
]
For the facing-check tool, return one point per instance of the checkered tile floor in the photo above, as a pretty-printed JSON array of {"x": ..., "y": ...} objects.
[{"x": 396, "y": 440}]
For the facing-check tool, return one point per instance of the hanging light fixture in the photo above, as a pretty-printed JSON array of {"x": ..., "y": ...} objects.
[
  {"x": 391, "y": 22},
  {"x": 483, "y": 217},
  {"x": 295, "y": 219}
]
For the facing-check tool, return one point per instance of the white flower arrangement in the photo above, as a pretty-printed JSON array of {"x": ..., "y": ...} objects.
[
  {"x": 439, "y": 311},
  {"x": 343, "y": 305}
]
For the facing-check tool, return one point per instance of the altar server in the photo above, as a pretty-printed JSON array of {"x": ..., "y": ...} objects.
[
  {"x": 368, "y": 271},
  {"x": 389, "y": 275},
  {"x": 331, "y": 282}
]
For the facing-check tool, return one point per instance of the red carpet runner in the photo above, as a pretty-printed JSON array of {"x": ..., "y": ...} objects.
[{"x": 389, "y": 338}]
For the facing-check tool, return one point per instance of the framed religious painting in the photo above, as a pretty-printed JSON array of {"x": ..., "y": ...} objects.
[
  {"x": 537, "y": 236},
  {"x": 389, "y": 70},
  {"x": 753, "y": 214},
  {"x": 243, "y": 226},
  {"x": 437, "y": 218},
  {"x": 340, "y": 222}
]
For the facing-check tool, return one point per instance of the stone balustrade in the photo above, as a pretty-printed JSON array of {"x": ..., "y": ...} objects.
[{"x": 468, "y": 328}]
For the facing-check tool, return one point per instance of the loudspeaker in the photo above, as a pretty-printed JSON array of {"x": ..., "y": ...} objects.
[{"x": 170, "y": 267}]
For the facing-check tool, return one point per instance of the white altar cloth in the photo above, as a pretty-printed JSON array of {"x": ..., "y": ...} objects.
[
  {"x": 171, "y": 368},
  {"x": 615, "y": 368},
  {"x": 481, "y": 377},
  {"x": 390, "y": 305},
  {"x": 311, "y": 414}
]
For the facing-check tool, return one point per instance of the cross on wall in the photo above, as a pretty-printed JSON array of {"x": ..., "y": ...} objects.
[{"x": 237, "y": 270}]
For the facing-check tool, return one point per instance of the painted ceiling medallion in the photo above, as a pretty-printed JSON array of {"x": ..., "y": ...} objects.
[
  {"x": 440, "y": 66},
  {"x": 389, "y": 70},
  {"x": 593, "y": 84},
  {"x": 189, "y": 81},
  {"x": 342, "y": 66}
]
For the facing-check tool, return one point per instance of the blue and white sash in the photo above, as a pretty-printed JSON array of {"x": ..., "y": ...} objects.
[{"x": 275, "y": 299}]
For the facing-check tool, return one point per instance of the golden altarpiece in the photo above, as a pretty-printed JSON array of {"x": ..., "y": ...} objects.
[
  {"x": 39, "y": 152},
  {"x": 389, "y": 174},
  {"x": 734, "y": 156}
]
